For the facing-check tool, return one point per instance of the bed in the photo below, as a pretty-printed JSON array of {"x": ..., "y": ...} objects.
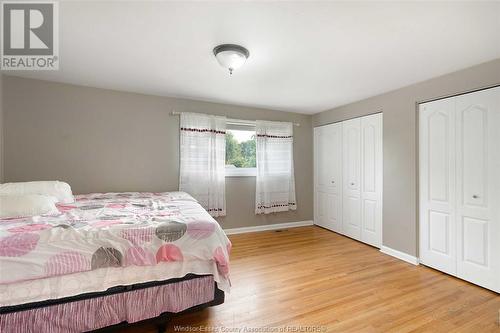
[{"x": 110, "y": 258}]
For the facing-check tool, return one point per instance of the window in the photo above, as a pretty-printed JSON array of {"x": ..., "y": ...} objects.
[{"x": 240, "y": 149}]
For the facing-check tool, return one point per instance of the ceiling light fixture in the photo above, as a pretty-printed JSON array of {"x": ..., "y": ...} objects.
[{"x": 231, "y": 56}]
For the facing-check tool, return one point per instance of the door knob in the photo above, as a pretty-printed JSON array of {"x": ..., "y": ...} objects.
[
  {"x": 475, "y": 196},
  {"x": 352, "y": 183},
  {"x": 333, "y": 182}
]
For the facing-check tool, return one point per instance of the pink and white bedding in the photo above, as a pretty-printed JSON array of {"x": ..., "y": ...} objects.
[{"x": 111, "y": 234}]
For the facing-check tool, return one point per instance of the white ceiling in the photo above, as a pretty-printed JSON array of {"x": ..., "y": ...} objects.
[{"x": 304, "y": 56}]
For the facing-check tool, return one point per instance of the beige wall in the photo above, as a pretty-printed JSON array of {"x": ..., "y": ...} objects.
[
  {"x": 103, "y": 140},
  {"x": 400, "y": 143}
]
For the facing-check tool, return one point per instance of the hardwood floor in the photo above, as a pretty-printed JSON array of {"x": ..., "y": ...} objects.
[{"x": 313, "y": 277}]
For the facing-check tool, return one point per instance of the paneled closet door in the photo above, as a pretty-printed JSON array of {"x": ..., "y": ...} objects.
[
  {"x": 371, "y": 179},
  {"x": 437, "y": 185},
  {"x": 351, "y": 222},
  {"x": 478, "y": 187},
  {"x": 328, "y": 176}
]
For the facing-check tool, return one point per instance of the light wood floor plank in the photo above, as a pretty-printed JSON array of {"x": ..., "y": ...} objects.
[{"x": 311, "y": 276}]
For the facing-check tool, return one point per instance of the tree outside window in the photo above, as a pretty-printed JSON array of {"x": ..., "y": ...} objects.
[{"x": 240, "y": 149}]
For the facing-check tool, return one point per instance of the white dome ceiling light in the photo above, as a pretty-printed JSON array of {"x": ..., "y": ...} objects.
[{"x": 231, "y": 56}]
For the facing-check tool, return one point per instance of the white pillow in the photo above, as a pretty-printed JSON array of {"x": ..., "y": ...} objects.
[
  {"x": 27, "y": 205},
  {"x": 60, "y": 190}
]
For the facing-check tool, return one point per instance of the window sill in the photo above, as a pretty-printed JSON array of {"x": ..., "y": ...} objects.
[{"x": 241, "y": 172}]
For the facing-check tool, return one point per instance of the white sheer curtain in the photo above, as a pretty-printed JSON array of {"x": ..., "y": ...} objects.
[
  {"x": 275, "y": 179},
  {"x": 203, "y": 153}
]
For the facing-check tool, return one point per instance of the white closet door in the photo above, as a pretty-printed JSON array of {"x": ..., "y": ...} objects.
[
  {"x": 437, "y": 185},
  {"x": 478, "y": 187},
  {"x": 328, "y": 157},
  {"x": 328, "y": 176},
  {"x": 351, "y": 222},
  {"x": 371, "y": 179}
]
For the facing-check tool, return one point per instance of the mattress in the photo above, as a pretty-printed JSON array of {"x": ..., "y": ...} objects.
[{"x": 108, "y": 239}]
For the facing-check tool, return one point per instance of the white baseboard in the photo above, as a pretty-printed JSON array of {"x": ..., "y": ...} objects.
[
  {"x": 267, "y": 227},
  {"x": 400, "y": 255}
]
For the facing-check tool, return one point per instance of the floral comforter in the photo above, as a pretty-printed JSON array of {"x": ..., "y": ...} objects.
[{"x": 102, "y": 230}]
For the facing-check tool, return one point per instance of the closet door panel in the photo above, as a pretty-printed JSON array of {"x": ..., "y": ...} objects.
[
  {"x": 473, "y": 153},
  {"x": 437, "y": 185},
  {"x": 478, "y": 180},
  {"x": 321, "y": 163},
  {"x": 370, "y": 218},
  {"x": 351, "y": 222},
  {"x": 475, "y": 242},
  {"x": 319, "y": 194},
  {"x": 320, "y": 208},
  {"x": 334, "y": 202},
  {"x": 328, "y": 176},
  {"x": 334, "y": 150},
  {"x": 328, "y": 157},
  {"x": 328, "y": 210},
  {"x": 439, "y": 233},
  {"x": 335, "y": 192},
  {"x": 371, "y": 179}
]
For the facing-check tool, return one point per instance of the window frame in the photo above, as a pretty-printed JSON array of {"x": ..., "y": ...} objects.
[{"x": 245, "y": 125}]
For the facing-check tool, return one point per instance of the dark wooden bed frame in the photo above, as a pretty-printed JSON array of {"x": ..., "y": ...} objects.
[{"x": 160, "y": 321}]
